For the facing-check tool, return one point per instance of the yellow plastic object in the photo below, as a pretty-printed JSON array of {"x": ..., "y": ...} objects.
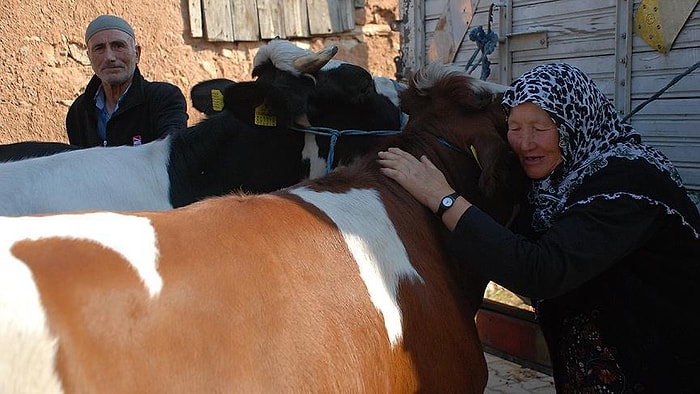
[
  {"x": 658, "y": 22},
  {"x": 217, "y": 100},
  {"x": 263, "y": 116}
]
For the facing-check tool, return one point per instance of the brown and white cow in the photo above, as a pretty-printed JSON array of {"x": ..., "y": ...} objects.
[{"x": 340, "y": 284}]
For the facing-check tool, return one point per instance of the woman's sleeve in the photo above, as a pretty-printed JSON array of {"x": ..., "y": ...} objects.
[{"x": 582, "y": 242}]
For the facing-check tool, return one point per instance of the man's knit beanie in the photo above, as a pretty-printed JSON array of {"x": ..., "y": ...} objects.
[{"x": 105, "y": 22}]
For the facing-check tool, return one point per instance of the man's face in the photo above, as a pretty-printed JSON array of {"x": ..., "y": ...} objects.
[{"x": 113, "y": 55}]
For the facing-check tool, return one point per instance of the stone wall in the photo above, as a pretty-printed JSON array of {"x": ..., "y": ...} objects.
[{"x": 44, "y": 67}]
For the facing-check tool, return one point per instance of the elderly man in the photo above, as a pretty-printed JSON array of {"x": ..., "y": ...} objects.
[{"x": 120, "y": 107}]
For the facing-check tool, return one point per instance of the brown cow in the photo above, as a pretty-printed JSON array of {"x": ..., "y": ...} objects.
[{"x": 340, "y": 284}]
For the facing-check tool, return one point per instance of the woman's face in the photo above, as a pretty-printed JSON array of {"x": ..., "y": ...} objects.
[{"x": 534, "y": 137}]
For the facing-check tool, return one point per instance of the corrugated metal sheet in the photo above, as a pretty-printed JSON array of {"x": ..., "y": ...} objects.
[{"x": 589, "y": 34}]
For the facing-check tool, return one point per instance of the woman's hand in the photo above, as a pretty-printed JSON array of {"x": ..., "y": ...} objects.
[
  {"x": 424, "y": 181},
  {"x": 421, "y": 178}
]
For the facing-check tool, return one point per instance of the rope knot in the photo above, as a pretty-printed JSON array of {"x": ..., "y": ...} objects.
[
  {"x": 485, "y": 41},
  {"x": 486, "y": 44}
]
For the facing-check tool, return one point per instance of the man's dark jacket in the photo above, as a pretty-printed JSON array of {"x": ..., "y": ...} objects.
[{"x": 149, "y": 110}]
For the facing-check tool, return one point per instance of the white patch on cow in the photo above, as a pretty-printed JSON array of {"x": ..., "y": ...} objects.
[
  {"x": 27, "y": 347},
  {"x": 372, "y": 239},
  {"x": 120, "y": 178},
  {"x": 133, "y": 237},
  {"x": 283, "y": 53},
  {"x": 317, "y": 165},
  {"x": 389, "y": 88}
]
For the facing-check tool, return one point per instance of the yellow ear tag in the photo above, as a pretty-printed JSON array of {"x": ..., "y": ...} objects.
[
  {"x": 263, "y": 116},
  {"x": 217, "y": 100},
  {"x": 476, "y": 157}
]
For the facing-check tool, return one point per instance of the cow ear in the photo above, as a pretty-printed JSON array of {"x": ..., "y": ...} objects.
[
  {"x": 469, "y": 93},
  {"x": 491, "y": 153},
  {"x": 242, "y": 98},
  {"x": 208, "y": 96},
  {"x": 410, "y": 101},
  {"x": 501, "y": 170}
]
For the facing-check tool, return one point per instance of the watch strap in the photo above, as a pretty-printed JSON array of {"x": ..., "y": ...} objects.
[{"x": 442, "y": 208}]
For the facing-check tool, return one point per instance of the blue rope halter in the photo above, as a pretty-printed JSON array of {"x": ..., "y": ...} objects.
[{"x": 335, "y": 134}]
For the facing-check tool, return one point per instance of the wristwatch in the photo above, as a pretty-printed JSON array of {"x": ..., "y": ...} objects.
[{"x": 446, "y": 203}]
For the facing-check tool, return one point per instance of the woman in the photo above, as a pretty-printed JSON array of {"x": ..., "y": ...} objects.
[{"x": 608, "y": 247}]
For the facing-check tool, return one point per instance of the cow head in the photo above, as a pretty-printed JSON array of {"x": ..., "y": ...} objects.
[
  {"x": 444, "y": 101},
  {"x": 251, "y": 143},
  {"x": 344, "y": 96},
  {"x": 285, "y": 77}
]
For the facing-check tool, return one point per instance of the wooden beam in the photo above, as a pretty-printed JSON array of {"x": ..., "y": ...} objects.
[
  {"x": 320, "y": 21},
  {"x": 296, "y": 18},
  {"x": 513, "y": 334},
  {"x": 347, "y": 14},
  {"x": 331, "y": 16},
  {"x": 195, "y": 13},
  {"x": 245, "y": 20},
  {"x": 413, "y": 35},
  {"x": 218, "y": 20},
  {"x": 271, "y": 19},
  {"x": 623, "y": 56}
]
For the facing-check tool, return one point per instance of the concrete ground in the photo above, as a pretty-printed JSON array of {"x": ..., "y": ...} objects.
[{"x": 510, "y": 378}]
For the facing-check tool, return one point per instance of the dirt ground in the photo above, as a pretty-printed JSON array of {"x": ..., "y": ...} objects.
[{"x": 43, "y": 65}]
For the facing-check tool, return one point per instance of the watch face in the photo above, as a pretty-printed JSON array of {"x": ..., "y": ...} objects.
[{"x": 447, "y": 201}]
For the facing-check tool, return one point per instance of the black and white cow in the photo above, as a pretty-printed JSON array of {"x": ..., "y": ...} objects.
[
  {"x": 347, "y": 105},
  {"x": 343, "y": 90},
  {"x": 254, "y": 146},
  {"x": 29, "y": 149}
]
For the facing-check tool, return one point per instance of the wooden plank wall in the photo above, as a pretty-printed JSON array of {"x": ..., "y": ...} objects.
[
  {"x": 583, "y": 33},
  {"x": 218, "y": 26},
  {"x": 671, "y": 122},
  {"x": 330, "y": 16},
  {"x": 480, "y": 8},
  {"x": 245, "y": 20},
  {"x": 296, "y": 18},
  {"x": 255, "y": 20},
  {"x": 195, "y": 13}
]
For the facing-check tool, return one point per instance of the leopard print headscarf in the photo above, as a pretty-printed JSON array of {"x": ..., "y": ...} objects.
[{"x": 590, "y": 131}]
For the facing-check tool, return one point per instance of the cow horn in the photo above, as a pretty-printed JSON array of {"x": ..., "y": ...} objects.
[{"x": 310, "y": 64}]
